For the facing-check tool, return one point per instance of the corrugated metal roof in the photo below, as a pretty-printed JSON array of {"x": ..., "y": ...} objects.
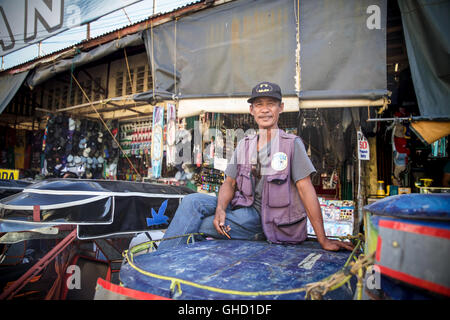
[{"x": 86, "y": 41}]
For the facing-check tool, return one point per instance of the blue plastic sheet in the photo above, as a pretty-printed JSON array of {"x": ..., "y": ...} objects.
[
  {"x": 413, "y": 206},
  {"x": 248, "y": 266}
]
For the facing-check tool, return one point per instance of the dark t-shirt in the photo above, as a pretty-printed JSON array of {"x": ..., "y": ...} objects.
[{"x": 301, "y": 167}]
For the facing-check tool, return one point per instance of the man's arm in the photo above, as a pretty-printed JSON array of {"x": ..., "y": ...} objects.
[
  {"x": 226, "y": 193},
  {"x": 308, "y": 196}
]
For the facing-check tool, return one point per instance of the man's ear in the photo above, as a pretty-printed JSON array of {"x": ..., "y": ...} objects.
[
  {"x": 282, "y": 106},
  {"x": 251, "y": 109}
]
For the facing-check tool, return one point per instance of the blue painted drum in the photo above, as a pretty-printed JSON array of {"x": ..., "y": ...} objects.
[
  {"x": 414, "y": 205},
  {"x": 413, "y": 245},
  {"x": 235, "y": 265}
]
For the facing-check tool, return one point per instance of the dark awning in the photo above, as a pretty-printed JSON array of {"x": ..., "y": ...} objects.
[
  {"x": 9, "y": 84},
  {"x": 43, "y": 73},
  {"x": 426, "y": 26}
]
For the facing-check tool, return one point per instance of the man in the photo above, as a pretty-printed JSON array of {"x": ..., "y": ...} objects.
[{"x": 267, "y": 192}]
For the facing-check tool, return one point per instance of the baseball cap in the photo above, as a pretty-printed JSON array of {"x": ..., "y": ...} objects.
[{"x": 266, "y": 89}]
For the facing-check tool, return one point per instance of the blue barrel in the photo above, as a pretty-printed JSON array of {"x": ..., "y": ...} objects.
[
  {"x": 412, "y": 245},
  {"x": 234, "y": 269}
]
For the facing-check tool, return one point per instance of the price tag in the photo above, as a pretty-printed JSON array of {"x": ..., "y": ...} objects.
[{"x": 363, "y": 147}]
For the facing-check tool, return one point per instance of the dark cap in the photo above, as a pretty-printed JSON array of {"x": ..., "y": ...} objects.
[{"x": 266, "y": 89}]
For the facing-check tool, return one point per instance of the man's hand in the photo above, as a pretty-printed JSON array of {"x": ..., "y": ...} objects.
[
  {"x": 336, "y": 245},
  {"x": 219, "y": 221},
  {"x": 226, "y": 193}
]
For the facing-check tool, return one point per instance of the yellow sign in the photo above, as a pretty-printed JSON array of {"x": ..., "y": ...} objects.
[{"x": 7, "y": 174}]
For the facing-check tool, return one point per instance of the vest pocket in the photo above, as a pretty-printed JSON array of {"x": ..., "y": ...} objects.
[
  {"x": 245, "y": 183},
  {"x": 291, "y": 232},
  {"x": 278, "y": 191}
]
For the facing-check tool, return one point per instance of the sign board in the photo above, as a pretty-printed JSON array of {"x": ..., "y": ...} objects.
[
  {"x": 363, "y": 147},
  {"x": 157, "y": 141},
  {"x": 7, "y": 174},
  {"x": 27, "y": 22},
  {"x": 337, "y": 216},
  {"x": 220, "y": 163}
]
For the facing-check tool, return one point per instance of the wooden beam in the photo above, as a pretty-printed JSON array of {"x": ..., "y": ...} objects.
[{"x": 116, "y": 108}]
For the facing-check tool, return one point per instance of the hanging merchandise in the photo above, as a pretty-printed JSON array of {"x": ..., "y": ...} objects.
[
  {"x": 171, "y": 133},
  {"x": 19, "y": 150},
  {"x": 210, "y": 179},
  {"x": 157, "y": 141},
  {"x": 400, "y": 152},
  {"x": 198, "y": 144},
  {"x": 80, "y": 146},
  {"x": 135, "y": 138},
  {"x": 135, "y": 141},
  {"x": 439, "y": 148},
  {"x": 36, "y": 150}
]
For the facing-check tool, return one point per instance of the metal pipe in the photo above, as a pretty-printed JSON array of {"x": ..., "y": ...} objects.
[
  {"x": 40, "y": 265},
  {"x": 389, "y": 119},
  {"x": 333, "y": 103}
]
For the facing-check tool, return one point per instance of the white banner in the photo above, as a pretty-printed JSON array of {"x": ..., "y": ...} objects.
[{"x": 27, "y": 22}]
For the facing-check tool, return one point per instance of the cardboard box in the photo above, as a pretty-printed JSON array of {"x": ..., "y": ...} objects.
[{"x": 404, "y": 190}]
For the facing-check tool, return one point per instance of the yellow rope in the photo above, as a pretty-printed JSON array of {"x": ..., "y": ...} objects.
[
  {"x": 175, "y": 284},
  {"x": 104, "y": 124},
  {"x": 318, "y": 289},
  {"x": 128, "y": 69}
]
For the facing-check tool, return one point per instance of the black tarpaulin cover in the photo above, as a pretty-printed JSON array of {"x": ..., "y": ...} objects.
[
  {"x": 218, "y": 50},
  {"x": 9, "y": 84},
  {"x": 98, "y": 207},
  {"x": 224, "y": 51},
  {"x": 426, "y": 25},
  {"x": 343, "y": 49},
  {"x": 45, "y": 72}
]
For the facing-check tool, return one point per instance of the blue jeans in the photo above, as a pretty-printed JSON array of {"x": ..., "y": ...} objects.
[{"x": 196, "y": 214}]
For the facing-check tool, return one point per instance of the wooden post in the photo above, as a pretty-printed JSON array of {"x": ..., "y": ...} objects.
[{"x": 88, "y": 31}]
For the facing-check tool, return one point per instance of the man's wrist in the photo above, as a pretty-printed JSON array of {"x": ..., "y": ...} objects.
[
  {"x": 322, "y": 239},
  {"x": 219, "y": 207}
]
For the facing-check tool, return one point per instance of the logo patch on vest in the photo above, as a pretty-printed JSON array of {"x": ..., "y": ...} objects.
[{"x": 279, "y": 161}]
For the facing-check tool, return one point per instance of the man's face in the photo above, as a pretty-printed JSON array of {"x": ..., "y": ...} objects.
[{"x": 266, "y": 112}]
